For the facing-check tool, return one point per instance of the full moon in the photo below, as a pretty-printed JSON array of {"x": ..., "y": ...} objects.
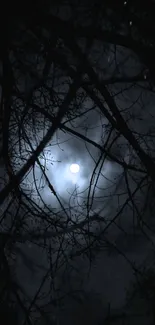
[{"x": 74, "y": 168}]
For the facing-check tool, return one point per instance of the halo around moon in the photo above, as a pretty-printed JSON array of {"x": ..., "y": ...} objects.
[{"x": 74, "y": 168}]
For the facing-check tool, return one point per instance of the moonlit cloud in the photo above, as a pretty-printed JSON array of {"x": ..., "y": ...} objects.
[{"x": 64, "y": 153}]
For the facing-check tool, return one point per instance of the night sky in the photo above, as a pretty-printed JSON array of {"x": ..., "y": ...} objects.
[{"x": 78, "y": 242}]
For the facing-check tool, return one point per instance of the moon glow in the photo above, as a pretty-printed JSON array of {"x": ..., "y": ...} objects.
[{"x": 74, "y": 168}]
